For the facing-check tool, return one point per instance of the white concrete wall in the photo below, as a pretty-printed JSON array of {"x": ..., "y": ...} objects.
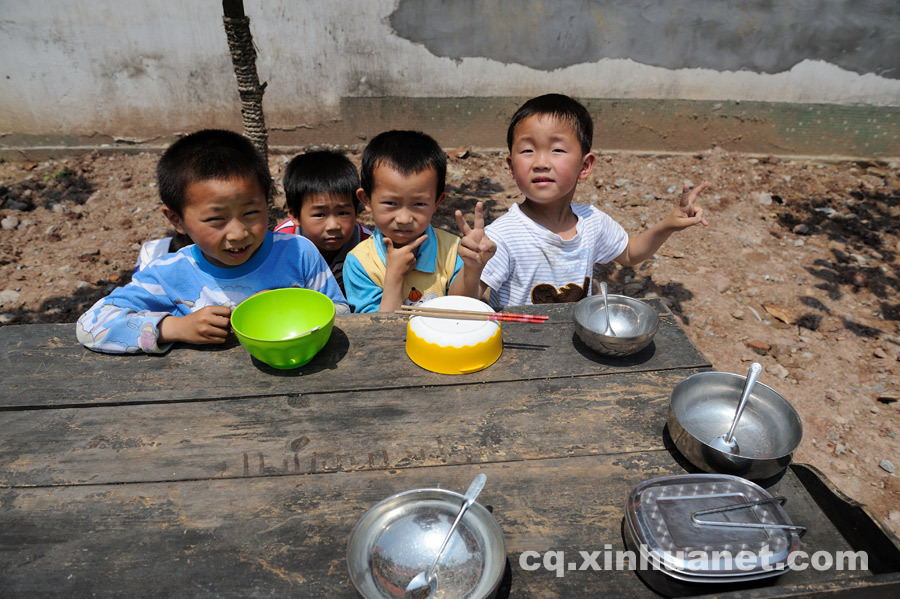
[{"x": 137, "y": 69}]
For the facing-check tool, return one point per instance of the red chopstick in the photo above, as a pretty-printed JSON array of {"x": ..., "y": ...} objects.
[
  {"x": 510, "y": 317},
  {"x": 471, "y": 314}
]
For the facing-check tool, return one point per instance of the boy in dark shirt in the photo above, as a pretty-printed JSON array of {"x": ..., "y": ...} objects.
[{"x": 320, "y": 192}]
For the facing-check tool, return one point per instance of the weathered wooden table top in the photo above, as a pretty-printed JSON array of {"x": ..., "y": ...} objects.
[{"x": 204, "y": 473}]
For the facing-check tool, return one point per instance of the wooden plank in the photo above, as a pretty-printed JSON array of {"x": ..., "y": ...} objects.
[
  {"x": 43, "y": 365},
  {"x": 874, "y": 587},
  {"x": 286, "y": 536},
  {"x": 856, "y": 524},
  {"x": 382, "y": 429}
]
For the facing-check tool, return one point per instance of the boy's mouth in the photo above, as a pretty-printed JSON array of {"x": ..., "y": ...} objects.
[
  {"x": 542, "y": 180},
  {"x": 236, "y": 251}
]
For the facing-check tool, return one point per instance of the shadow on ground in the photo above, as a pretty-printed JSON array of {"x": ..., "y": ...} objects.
[
  {"x": 63, "y": 186},
  {"x": 463, "y": 198},
  {"x": 67, "y": 308},
  {"x": 625, "y": 280},
  {"x": 863, "y": 222}
]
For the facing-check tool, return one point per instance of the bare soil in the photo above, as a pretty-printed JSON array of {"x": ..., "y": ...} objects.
[{"x": 798, "y": 270}]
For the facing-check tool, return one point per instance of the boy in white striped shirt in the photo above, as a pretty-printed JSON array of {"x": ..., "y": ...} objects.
[{"x": 546, "y": 245}]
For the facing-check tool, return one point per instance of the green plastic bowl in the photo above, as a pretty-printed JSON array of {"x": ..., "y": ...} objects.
[{"x": 284, "y": 328}]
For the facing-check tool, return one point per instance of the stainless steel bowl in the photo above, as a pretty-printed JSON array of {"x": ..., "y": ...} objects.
[
  {"x": 400, "y": 536},
  {"x": 634, "y": 323},
  {"x": 703, "y": 407}
]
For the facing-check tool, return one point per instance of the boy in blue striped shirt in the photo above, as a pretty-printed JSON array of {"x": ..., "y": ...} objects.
[{"x": 215, "y": 188}]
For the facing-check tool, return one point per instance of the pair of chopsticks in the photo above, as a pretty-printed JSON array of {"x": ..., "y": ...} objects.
[{"x": 470, "y": 314}]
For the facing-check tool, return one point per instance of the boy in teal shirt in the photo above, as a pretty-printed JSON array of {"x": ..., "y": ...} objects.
[{"x": 407, "y": 261}]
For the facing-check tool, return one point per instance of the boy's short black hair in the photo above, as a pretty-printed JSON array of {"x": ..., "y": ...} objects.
[
  {"x": 561, "y": 107},
  {"x": 329, "y": 173},
  {"x": 408, "y": 152},
  {"x": 208, "y": 154}
]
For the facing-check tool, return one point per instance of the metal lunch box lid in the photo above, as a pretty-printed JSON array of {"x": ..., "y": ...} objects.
[{"x": 662, "y": 514}]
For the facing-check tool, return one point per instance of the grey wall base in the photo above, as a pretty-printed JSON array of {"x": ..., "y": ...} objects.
[{"x": 663, "y": 126}]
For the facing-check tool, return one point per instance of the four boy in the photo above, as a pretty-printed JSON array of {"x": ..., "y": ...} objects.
[{"x": 214, "y": 188}]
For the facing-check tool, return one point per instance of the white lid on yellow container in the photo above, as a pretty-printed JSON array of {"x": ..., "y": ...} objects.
[{"x": 450, "y": 346}]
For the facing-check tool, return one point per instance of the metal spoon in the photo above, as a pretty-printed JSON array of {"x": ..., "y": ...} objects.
[
  {"x": 424, "y": 583},
  {"x": 727, "y": 443},
  {"x": 608, "y": 326}
]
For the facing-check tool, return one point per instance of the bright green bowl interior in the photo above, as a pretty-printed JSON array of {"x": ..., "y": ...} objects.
[{"x": 284, "y": 328}]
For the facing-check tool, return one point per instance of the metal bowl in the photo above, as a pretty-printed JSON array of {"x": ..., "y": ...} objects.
[
  {"x": 400, "y": 536},
  {"x": 703, "y": 407},
  {"x": 634, "y": 323}
]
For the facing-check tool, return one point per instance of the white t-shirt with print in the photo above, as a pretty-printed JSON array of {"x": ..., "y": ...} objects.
[{"x": 533, "y": 265}]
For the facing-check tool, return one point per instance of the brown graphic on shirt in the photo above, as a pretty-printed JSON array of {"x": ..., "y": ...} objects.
[{"x": 545, "y": 293}]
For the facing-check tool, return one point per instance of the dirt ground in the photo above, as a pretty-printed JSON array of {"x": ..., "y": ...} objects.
[{"x": 798, "y": 270}]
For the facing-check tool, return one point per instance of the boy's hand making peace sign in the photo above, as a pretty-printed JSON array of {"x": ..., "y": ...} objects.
[
  {"x": 687, "y": 214},
  {"x": 475, "y": 248}
]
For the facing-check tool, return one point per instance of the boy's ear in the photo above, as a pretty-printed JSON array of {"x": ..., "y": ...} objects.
[
  {"x": 509, "y": 162},
  {"x": 440, "y": 198},
  {"x": 587, "y": 165},
  {"x": 363, "y": 199},
  {"x": 174, "y": 218}
]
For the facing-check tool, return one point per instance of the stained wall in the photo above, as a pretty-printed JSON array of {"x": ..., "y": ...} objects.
[{"x": 787, "y": 77}]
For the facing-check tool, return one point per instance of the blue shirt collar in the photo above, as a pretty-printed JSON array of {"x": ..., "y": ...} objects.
[
  {"x": 233, "y": 272},
  {"x": 426, "y": 254}
]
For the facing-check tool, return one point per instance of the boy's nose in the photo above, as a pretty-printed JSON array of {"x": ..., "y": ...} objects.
[
  {"x": 235, "y": 231},
  {"x": 332, "y": 224},
  {"x": 404, "y": 217}
]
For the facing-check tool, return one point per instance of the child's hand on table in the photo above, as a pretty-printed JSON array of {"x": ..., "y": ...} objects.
[{"x": 205, "y": 326}]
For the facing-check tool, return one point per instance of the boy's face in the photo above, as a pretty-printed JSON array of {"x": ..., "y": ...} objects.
[
  {"x": 327, "y": 220},
  {"x": 401, "y": 205},
  {"x": 546, "y": 159},
  {"x": 226, "y": 218}
]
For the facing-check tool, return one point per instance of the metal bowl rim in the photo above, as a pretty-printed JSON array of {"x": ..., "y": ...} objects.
[
  {"x": 706, "y": 373},
  {"x": 585, "y": 303},
  {"x": 358, "y": 526}
]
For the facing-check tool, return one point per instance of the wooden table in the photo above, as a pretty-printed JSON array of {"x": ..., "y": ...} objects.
[{"x": 202, "y": 473}]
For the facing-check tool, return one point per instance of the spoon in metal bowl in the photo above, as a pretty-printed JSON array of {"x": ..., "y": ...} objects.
[
  {"x": 608, "y": 326},
  {"x": 424, "y": 583},
  {"x": 727, "y": 443}
]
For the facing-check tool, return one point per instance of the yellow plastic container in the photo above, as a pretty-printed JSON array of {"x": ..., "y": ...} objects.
[{"x": 450, "y": 346}]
